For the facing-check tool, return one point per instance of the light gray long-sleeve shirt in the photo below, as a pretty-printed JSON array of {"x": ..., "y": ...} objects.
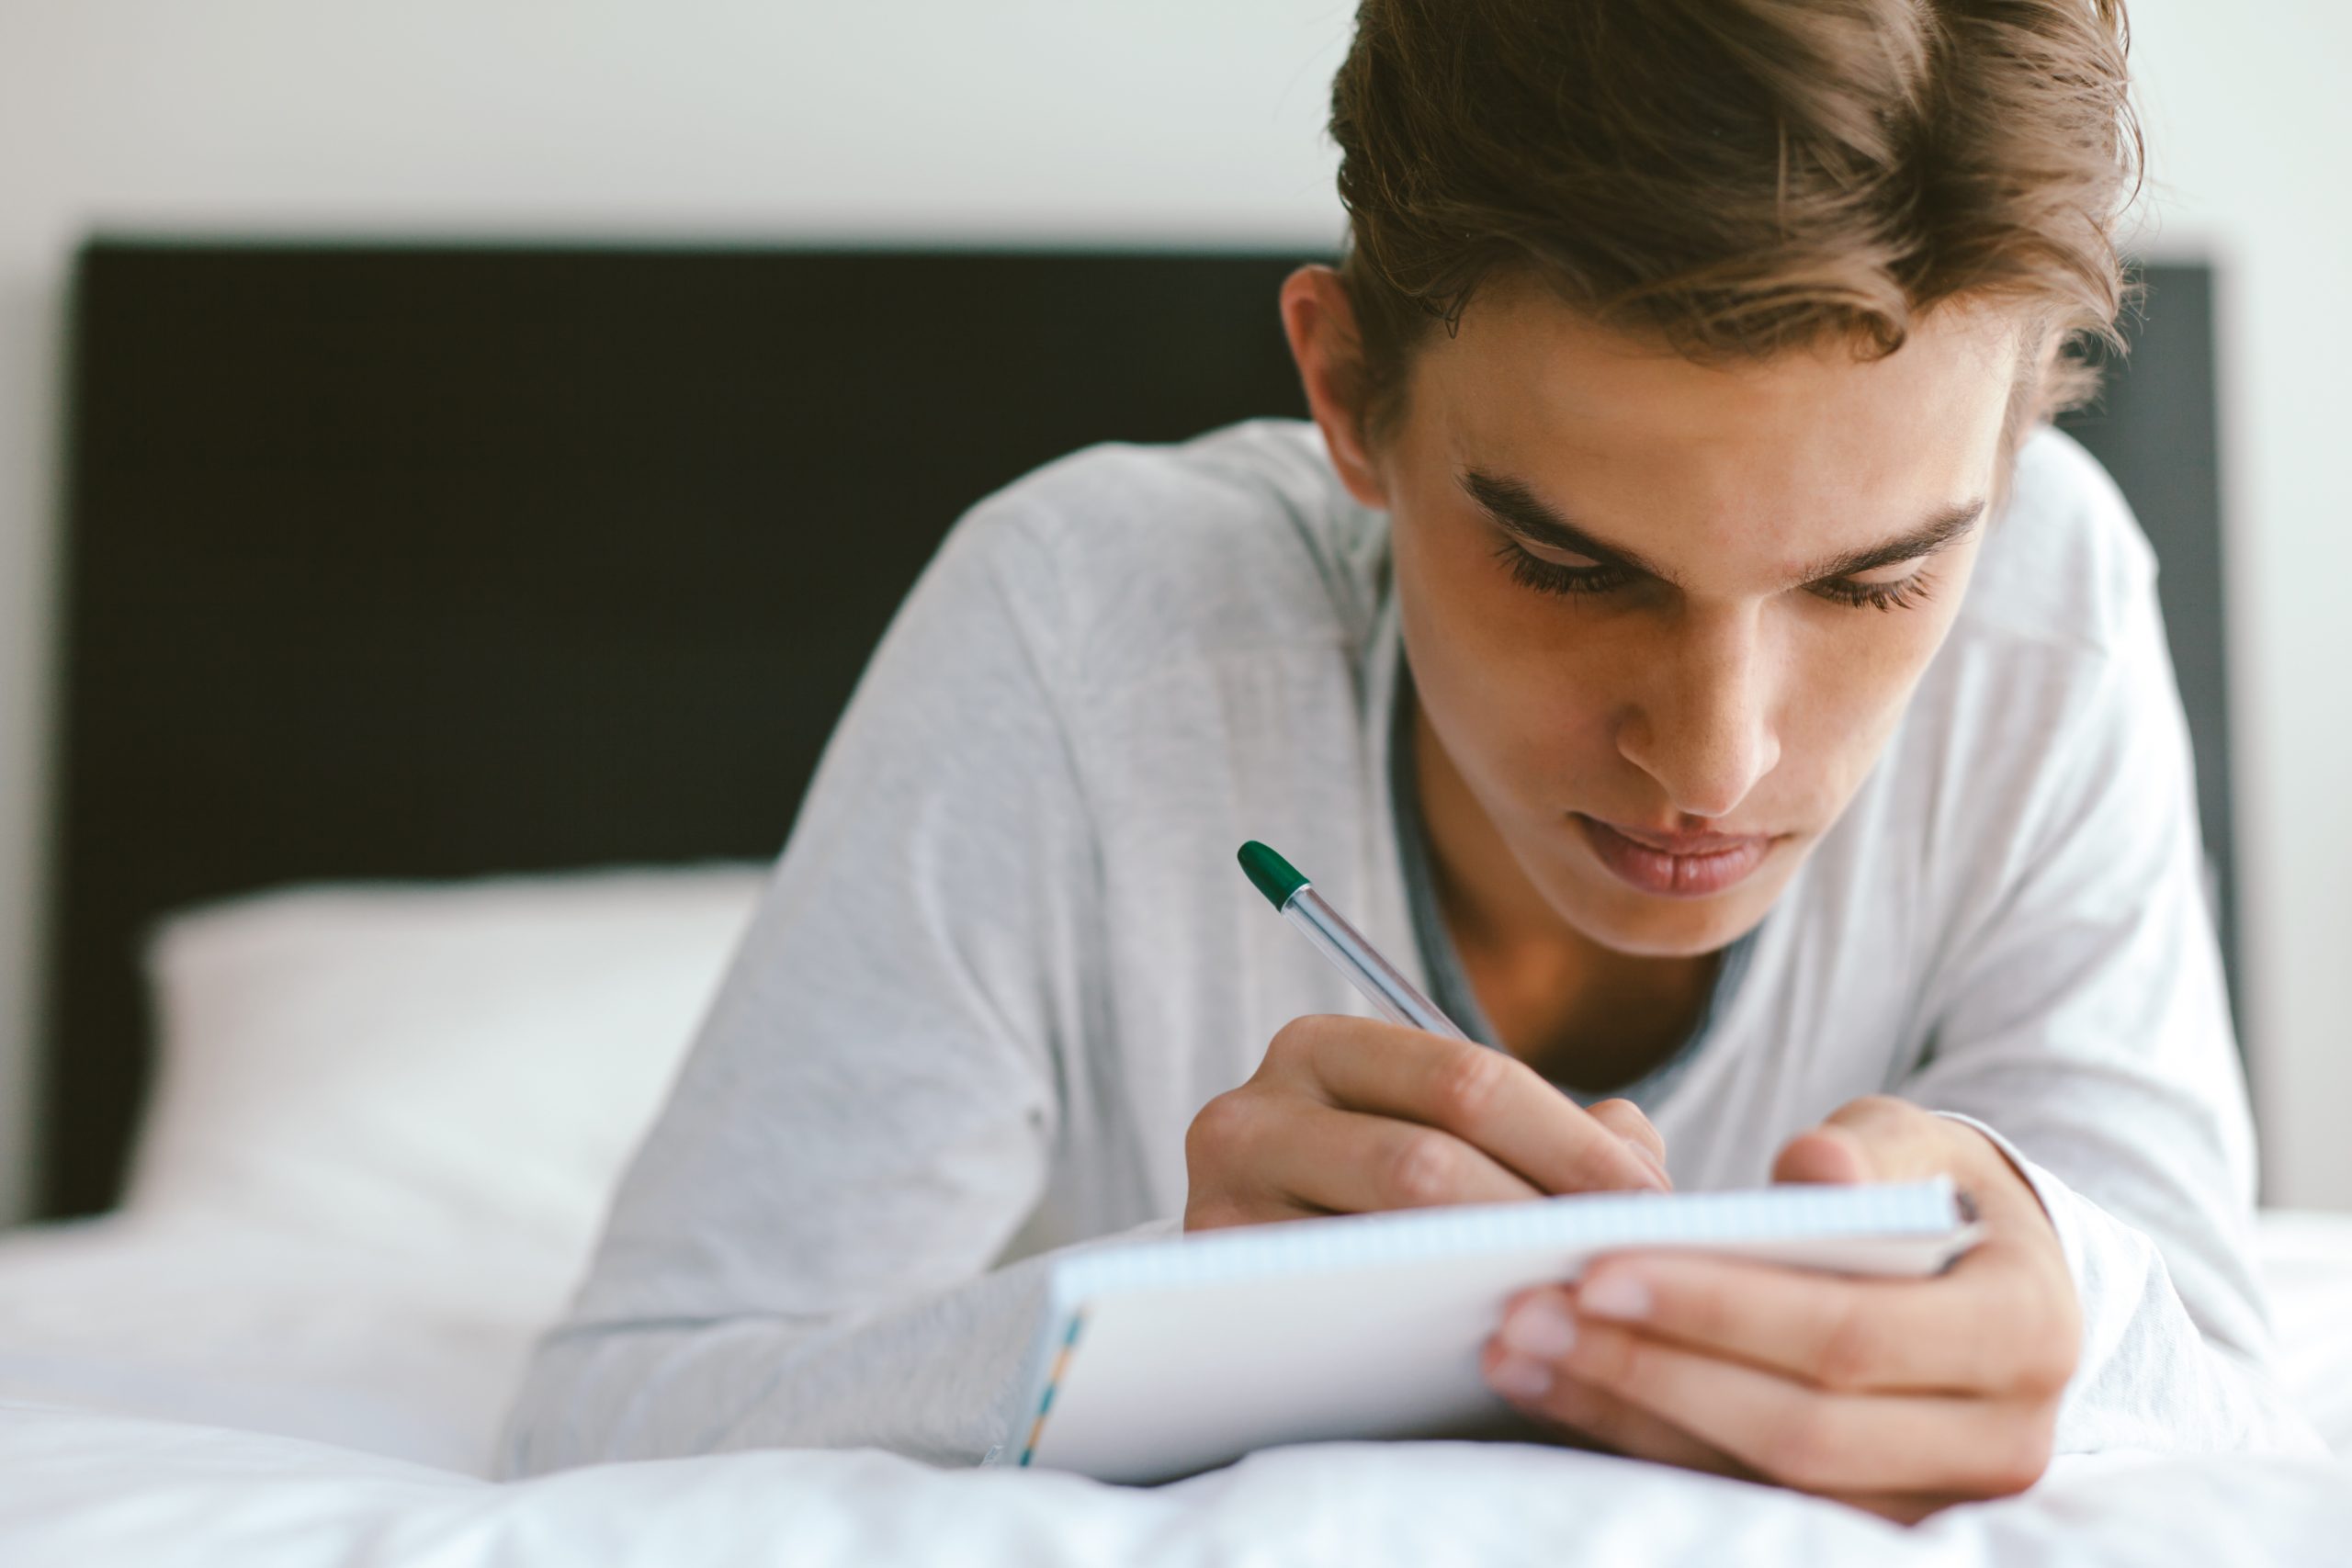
[{"x": 1006, "y": 957}]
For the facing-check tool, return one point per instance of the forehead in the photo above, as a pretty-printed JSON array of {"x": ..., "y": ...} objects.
[{"x": 1807, "y": 450}]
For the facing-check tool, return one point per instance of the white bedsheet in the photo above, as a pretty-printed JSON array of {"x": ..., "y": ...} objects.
[
  {"x": 86, "y": 1489},
  {"x": 230, "y": 1325},
  {"x": 2307, "y": 1262},
  {"x": 130, "y": 1355}
]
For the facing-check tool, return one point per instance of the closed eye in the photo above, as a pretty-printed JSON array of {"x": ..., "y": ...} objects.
[
  {"x": 1532, "y": 570},
  {"x": 1528, "y": 524},
  {"x": 1900, "y": 594}
]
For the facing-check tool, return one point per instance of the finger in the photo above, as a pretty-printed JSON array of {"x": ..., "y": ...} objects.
[
  {"x": 1813, "y": 1441},
  {"x": 1600, "y": 1417},
  {"x": 1875, "y": 1138},
  {"x": 1823, "y": 1156},
  {"x": 1352, "y": 1163},
  {"x": 1625, "y": 1118},
  {"x": 1850, "y": 1335},
  {"x": 1487, "y": 1098},
  {"x": 1881, "y": 1138}
]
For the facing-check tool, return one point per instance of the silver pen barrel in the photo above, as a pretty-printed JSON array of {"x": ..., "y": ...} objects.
[{"x": 1397, "y": 998}]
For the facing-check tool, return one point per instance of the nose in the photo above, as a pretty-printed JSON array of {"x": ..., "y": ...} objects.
[{"x": 1703, "y": 725}]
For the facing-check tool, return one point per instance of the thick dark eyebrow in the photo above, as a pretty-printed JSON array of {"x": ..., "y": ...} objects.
[
  {"x": 1944, "y": 527},
  {"x": 1524, "y": 513},
  {"x": 1520, "y": 510}
]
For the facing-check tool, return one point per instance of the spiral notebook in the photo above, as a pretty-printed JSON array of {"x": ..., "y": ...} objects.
[{"x": 1156, "y": 1360}]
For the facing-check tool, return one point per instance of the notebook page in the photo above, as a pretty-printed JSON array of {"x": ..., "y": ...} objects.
[{"x": 1164, "y": 1358}]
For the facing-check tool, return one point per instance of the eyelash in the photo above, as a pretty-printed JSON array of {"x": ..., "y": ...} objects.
[{"x": 1550, "y": 576}]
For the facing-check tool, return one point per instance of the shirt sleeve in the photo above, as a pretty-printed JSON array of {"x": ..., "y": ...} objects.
[
  {"x": 2084, "y": 1027},
  {"x": 801, "y": 1252}
]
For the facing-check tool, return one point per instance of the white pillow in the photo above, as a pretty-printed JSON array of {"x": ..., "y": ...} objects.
[{"x": 449, "y": 1075}]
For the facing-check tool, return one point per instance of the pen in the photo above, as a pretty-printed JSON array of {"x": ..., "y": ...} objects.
[{"x": 1345, "y": 946}]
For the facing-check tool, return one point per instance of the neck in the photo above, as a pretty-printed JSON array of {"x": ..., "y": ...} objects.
[{"x": 1577, "y": 1011}]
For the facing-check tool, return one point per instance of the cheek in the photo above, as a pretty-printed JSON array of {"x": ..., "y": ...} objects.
[
  {"x": 1444, "y": 582},
  {"x": 1511, "y": 679},
  {"x": 1850, "y": 673}
]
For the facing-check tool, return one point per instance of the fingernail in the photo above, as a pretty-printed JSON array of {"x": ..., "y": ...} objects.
[
  {"x": 1614, "y": 1295},
  {"x": 1651, "y": 1163},
  {"x": 1515, "y": 1377},
  {"x": 1540, "y": 1329}
]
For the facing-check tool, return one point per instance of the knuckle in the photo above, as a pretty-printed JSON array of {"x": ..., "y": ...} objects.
[
  {"x": 2063, "y": 1322},
  {"x": 1422, "y": 1171},
  {"x": 1612, "y": 1358},
  {"x": 1600, "y": 1161},
  {"x": 1874, "y": 1108},
  {"x": 1468, "y": 1085},
  {"x": 1875, "y": 1116},
  {"x": 1846, "y": 1359},
  {"x": 1588, "y": 1416},
  {"x": 2049, "y": 1344},
  {"x": 2021, "y": 1459},
  {"x": 2051, "y": 1358},
  {"x": 1574, "y": 1405},
  {"x": 1692, "y": 1313},
  {"x": 1625, "y": 1118},
  {"x": 1803, "y": 1449},
  {"x": 1218, "y": 1129},
  {"x": 1295, "y": 1040}
]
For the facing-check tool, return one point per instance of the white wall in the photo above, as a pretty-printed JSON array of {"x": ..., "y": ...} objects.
[
  {"x": 1087, "y": 119},
  {"x": 2248, "y": 120},
  {"x": 1068, "y": 119}
]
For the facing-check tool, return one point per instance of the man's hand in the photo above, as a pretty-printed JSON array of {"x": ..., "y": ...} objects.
[
  {"x": 1901, "y": 1396},
  {"x": 1349, "y": 1116}
]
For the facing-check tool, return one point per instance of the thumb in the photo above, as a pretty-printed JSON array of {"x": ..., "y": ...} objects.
[
  {"x": 1875, "y": 1138},
  {"x": 1828, "y": 1154}
]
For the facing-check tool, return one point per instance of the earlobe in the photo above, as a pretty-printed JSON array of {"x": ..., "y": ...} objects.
[{"x": 1320, "y": 325}]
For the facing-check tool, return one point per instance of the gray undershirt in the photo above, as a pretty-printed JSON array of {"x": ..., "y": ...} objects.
[{"x": 1449, "y": 986}]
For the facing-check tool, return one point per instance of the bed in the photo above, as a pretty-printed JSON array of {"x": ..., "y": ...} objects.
[{"x": 450, "y": 633}]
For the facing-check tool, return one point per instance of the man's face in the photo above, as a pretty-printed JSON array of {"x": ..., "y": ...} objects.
[{"x": 1663, "y": 617}]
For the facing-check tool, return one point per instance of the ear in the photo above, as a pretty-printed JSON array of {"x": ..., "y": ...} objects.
[{"x": 1321, "y": 326}]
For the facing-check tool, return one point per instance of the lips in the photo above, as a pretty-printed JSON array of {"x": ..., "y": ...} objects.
[{"x": 1674, "y": 865}]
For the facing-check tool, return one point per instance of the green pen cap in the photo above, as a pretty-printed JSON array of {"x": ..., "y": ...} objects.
[{"x": 1270, "y": 874}]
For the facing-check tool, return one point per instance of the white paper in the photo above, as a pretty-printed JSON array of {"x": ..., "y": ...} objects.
[{"x": 1187, "y": 1353}]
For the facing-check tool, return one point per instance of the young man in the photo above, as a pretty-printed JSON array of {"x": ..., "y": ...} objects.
[{"x": 1678, "y": 635}]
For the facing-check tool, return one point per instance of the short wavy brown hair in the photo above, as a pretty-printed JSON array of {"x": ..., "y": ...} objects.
[{"x": 1736, "y": 177}]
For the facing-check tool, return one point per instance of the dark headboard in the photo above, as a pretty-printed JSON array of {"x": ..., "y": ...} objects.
[{"x": 427, "y": 562}]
